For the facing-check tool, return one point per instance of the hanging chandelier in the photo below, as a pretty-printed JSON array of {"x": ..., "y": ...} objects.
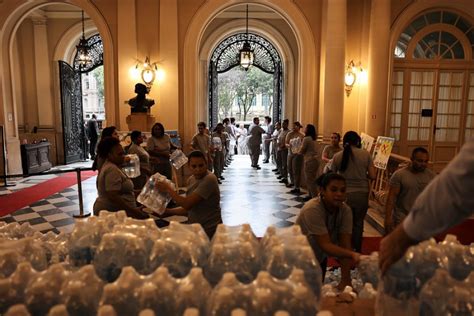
[
  {"x": 84, "y": 57},
  {"x": 246, "y": 53}
]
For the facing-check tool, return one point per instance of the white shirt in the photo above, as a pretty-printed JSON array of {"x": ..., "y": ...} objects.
[{"x": 447, "y": 200}]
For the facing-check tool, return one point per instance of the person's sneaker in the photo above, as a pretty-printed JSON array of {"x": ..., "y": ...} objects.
[
  {"x": 275, "y": 170},
  {"x": 265, "y": 161},
  {"x": 258, "y": 167},
  {"x": 307, "y": 198},
  {"x": 221, "y": 178},
  {"x": 219, "y": 181},
  {"x": 295, "y": 190},
  {"x": 289, "y": 185},
  {"x": 284, "y": 180},
  {"x": 279, "y": 177}
]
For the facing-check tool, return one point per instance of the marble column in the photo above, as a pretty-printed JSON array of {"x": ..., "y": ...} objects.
[
  {"x": 332, "y": 67},
  {"x": 378, "y": 72},
  {"x": 42, "y": 72},
  {"x": 169, "y": 87},
  {"x": 127, "y": 58}
]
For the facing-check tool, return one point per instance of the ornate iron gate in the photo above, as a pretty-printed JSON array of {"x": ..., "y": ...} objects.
[
  {"x": 226, "y": 56},
  {"x": 71, "y": 110}
]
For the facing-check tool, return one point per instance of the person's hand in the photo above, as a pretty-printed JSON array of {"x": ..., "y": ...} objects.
[
  {"x": 388, "y": 225},
  {"x": 343, "y": 284},
  {"x": 163, "y": 187},
  {"x": 356, "y": 257},
  {"x": 393, "y": 247},
  {"x": 127, "y": 158}
]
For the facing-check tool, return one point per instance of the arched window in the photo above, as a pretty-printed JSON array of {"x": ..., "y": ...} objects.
[
  {"x": 432, "y": 95},
  {"x": 436, "y": 35}
]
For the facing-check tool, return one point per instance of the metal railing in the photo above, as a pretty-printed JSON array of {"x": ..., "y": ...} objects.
[{"x": 79, "y": 184}]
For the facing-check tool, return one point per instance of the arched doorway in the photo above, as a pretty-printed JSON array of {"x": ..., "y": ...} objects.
[
  {"x": 226, "y": 57},
  {"x": 432, "y": 91},
  {"x": 75, "y": 89},
  {"x": 48, "y": 116},
  {"x": 295, "y": 43}
]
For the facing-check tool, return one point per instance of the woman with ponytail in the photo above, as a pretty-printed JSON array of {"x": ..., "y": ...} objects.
[{"x": 357, "y": 167}]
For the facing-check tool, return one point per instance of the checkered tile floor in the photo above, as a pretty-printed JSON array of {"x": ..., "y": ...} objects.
[{"x": 247, "y": 196}]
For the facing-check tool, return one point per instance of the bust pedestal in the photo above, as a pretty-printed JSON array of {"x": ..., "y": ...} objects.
[{"x": 140, "y": 121}]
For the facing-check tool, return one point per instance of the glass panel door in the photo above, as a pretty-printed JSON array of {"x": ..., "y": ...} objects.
[
  {"x": 469, "y": 131},
  {"x": 448, "y": 107},
  {"x": 396, "y": 106},
  {"x": 421, "y": 98}
]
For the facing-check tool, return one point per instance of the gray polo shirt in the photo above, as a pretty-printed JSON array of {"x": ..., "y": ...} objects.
[
  {"x": 315, "y": 220},
  {"x": 411, "y": 185},
  {"x": 356, "y": 172},
  {"x": 201, "y": 142},
  {"x": 208, "y": 211}
]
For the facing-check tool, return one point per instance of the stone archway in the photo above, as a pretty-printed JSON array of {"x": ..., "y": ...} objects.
[
  {"x": 192, "y": 108},
  {"x": 8, "y": 80},
  {"x": 225, "y": 57}
]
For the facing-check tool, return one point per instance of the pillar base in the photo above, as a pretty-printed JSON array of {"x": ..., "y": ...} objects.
[{"x": 140, "y": 122}]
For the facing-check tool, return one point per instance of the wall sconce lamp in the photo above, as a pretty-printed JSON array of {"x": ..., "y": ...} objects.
[
  {"x": 350, "y": 76},
  {"x": 148, "y": 72}
]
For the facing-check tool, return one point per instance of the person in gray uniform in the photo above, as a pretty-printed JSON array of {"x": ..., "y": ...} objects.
[
  {"x": 268, "y": 139},
  {"x": 254, "y": 141},
  {"x": 405, "y": 186},
  {"x": 283, "y": 151}
]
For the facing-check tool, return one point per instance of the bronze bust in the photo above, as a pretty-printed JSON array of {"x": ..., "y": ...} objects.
[{"x": 140, "y": 104}]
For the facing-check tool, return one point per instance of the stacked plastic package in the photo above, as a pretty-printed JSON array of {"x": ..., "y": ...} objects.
[
  {"x": 178, "y": 159},
  {"x": 115, "y": 265},
  {"x": 151, "y": 197},
  {"x": 131, "y": 166},
  {"x": 431, "y": 279}
]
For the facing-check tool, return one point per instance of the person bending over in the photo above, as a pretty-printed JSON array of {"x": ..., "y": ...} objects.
[
  {"x": 114, "y": 188},
  {"x": 202, "y": 201},
  {"x": 327, "y": 223}
]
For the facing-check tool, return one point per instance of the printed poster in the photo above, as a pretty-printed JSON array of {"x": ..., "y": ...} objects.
[
  {"x": 366, "y": 141},
  {"x": 382, "y": 151}
]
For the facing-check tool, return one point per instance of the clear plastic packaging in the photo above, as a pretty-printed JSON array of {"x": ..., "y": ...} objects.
[
  {"x": 118, "y": 250},
  {"x": 43, "y": 292},
  {"x": 131, "y": 166},
  {"x": 178, "y": 159},
  {"x": 369, "y": 269},
  {"x": 397, "y": 290},
  {"x": 217, "y": 143},
  {"x": 295, "y": 145},
  {"x": 151, "y": 197},
  {"x": 82, "y": 291}
]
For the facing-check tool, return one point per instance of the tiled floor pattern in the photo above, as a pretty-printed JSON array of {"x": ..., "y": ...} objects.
[{"x": 247, "y": 196}]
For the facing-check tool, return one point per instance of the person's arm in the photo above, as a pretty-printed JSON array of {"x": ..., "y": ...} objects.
[
  {"x": 345, "y": 241},
  {"x": 393, "y": 192},
  {"x": 117, "y": 199},
  {"x": 324, "y": 156},
  {"x": 445, "y": 202},
  {"x": 304, "y": 147},
  {"x": 371, "y": 172},
  {"x": 326, "y": 245},
  {"x": 187, "y": 202},
  {"x": 178, "y": 211}
]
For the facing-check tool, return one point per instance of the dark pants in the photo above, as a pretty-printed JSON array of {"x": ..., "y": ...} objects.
[
  {"x": 359, "y": 203},
  {"x": 92, "y": 145},
  {"x": 284, "y": 162}
]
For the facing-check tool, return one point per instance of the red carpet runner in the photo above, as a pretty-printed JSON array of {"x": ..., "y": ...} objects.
[{"x": 17, "y": 200}]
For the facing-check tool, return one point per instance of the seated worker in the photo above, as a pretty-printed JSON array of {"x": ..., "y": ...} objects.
[
  {"x": 202, "y": 201},
  {"x": 114, "y": 188},
  {"x": 327, "y": 223}
]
